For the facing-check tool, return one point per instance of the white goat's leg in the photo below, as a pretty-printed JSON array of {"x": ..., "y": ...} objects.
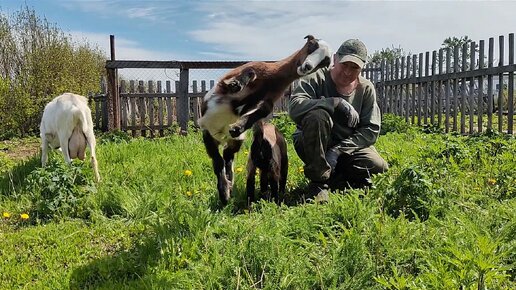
[
  {"x": 44, "y": 151},
  {"x": 90, "y": 138},
  {"x": 63, "y": 143}
]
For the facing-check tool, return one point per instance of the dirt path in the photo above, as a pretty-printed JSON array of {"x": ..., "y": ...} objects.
[{"x": 20, "y": 149}]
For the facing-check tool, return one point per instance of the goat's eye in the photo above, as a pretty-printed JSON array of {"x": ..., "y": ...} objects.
[{"x": 312, "y": 46}]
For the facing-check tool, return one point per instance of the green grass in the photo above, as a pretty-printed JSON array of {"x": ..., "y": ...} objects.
[{"x": 442, "y": 217}]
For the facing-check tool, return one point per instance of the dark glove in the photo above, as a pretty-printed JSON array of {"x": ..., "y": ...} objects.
[{"x": 348, "y": 112}]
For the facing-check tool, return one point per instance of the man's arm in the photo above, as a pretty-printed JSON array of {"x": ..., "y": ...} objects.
[
  {"x": 306, "y": 98},
  {"x": 368, "y": 128}
]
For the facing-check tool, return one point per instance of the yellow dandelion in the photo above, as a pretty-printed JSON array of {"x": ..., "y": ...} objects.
[
  {"x": 188, "y": 172},
  {"x": 491, "y": 181},
  {"x": 301, "y": 169},
  {"x": 24, "y": 216},
  {"x": 246, "y": 152},
  {"x": 239, "y": 169},
  {"x": 189, "y": 193},
  {"x": 6, "y": 215}
]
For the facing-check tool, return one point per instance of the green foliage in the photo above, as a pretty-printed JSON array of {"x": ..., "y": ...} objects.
[
  {"x": 442, "y": 217},
  {"x": 39, "y": 62},
  {"x": 453, "y": 43},
  {"x": 393, "y": 123},
  {"x": 410, "y": 194},
  {"x": 59, "y": 191},
  {"x": 116, "y": 136},
  {"x": 388, "y": 54},
  {"x": 284, "y": 125},
  {"x": 5, "y": 163}
]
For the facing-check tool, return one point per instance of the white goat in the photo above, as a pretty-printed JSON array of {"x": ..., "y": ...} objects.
[{"x": 67, "y": 124}]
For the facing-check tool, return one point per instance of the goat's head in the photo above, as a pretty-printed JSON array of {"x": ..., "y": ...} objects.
[
  {"x": 315, "y": 54},
  {"x": 235, "y": 84}
]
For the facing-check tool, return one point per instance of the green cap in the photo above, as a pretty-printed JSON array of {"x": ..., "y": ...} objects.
[{"x": 352, "y": 50}]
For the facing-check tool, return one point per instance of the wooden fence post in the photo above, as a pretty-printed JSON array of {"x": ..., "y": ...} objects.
[
  {"x": 183, "y": 102},
  {"x": 510, "y": 89},
  {"x": 113, "y": 101}
]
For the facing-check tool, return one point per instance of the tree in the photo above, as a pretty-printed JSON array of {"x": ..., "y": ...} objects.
[
  {"x": 387, "y": 54},
  {"x": 38, "y": 62},
  {"x": 458, "y": 42}
]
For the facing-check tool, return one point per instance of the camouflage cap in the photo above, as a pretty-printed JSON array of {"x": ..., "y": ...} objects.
[{"x": 352, "y": 50}]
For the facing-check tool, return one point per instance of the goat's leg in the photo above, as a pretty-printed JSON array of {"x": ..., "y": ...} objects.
[
  {"x": 264, "y": 183},
  {"x": 232, "y": 147},
  {"x": 212, "y": 148},
  {"x": 274, "y": 182},
  {"x": 44, "y": 151},
  {"x": 63, "y": 143},
  {"x": 283, "y": 174},
  {"x": 251, "y": 178},
  {"x": 246, "y": 121},
  {"x": 92, "y": 143}
]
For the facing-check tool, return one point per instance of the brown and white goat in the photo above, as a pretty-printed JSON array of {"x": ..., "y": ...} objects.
[
  {"x": 67, "y": 124},
  {"x": 245, "y": 95},
  {"x": 269, "y": 154}
]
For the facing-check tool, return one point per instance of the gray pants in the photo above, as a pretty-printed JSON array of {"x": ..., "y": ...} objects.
[{"x": 314, "y": 139}]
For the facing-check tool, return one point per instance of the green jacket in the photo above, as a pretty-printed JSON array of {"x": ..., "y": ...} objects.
[{"x": 315, "y": 91}]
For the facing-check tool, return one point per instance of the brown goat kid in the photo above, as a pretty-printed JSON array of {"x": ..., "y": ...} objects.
[
  {"x": 245, "y": 95},
  {"x": 269, "y": 154}
]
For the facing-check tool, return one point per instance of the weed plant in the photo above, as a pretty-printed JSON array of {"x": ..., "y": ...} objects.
[{"x": 442, "y": 217}]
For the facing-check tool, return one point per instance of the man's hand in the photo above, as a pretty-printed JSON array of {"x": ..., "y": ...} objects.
[{"x": 345, "y": 108}]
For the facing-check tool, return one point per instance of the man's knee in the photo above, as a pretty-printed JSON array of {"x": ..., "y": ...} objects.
[
  {"x": 366, "y": 161},
  {"x": 379, "y": 165},
  {"x": 316, "y": 118}
]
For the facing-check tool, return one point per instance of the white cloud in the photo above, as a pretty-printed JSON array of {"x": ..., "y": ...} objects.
[
  {"x": 147, "y": 13},
  {"x": 126, "y": 49},
  {"x": 271, "y": 30}
]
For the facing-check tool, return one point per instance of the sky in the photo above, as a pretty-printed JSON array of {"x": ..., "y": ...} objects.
[{"x": 266, "y": 30}]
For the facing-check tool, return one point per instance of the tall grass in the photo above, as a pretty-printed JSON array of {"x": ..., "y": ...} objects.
[{"x": 442, "y": 217}]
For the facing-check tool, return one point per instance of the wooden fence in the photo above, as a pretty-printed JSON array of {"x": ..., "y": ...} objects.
[
  {"x": 455, "y": 89},
  {"x": 150, "y": 108},
  {"x": 458, "y": 90}
]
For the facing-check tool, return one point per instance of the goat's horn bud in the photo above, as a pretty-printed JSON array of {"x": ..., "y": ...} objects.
[{"x": 309, "y": 37}]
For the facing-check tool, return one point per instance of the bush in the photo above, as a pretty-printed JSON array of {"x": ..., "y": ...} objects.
[
  {"x": 39, "y": 62},
  {"x": 410, "y": 194},
  {"x": 393, "y": 123},
  {"x": 59, "y": 191}
]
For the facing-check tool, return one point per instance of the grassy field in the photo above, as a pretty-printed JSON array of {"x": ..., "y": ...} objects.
[{"x": 442, "y": 217}]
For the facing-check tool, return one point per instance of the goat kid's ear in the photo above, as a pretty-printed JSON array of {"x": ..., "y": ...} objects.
[
  {"x": 248, "y": 75},
  {"x": 309, "y": 37}
]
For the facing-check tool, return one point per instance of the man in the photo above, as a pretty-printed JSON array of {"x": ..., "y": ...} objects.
[{"x": 338, "y": 119}]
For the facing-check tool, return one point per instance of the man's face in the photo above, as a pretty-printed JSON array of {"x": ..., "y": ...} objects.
[{"x": 346, "y": 72}]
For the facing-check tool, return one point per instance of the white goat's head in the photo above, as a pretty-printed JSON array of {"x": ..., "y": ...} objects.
[{"x": 316, "y": 54}]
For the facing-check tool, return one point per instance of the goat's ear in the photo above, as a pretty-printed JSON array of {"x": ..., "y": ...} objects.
[
  {"x": 309, "y": 37},
  {"x": 248, "y": 75}
]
